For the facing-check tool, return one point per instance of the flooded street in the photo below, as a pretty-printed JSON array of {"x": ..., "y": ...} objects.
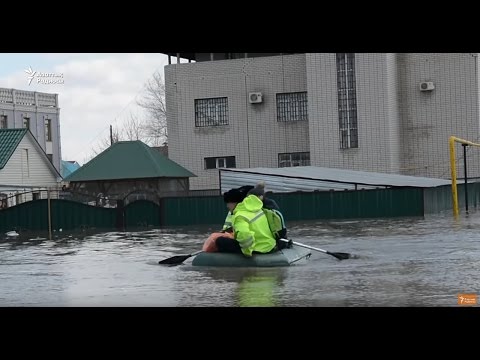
[{"x": 399, "y": 262}]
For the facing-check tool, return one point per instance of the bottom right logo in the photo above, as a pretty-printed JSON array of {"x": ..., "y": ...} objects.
[{"x": 467, "y": 299}]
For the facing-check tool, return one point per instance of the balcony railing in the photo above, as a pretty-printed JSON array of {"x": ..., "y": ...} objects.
[{"x": 28, "y": 98}]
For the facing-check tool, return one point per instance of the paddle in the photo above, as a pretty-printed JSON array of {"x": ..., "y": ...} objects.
[
  {"x": 178, "y": 259},
  {"x": 338, "y": 255}
]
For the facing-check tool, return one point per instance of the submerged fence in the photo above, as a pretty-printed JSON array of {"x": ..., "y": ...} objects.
[
  {"x": 76, "y": 211},
  {"x": 69, "y": 212}
]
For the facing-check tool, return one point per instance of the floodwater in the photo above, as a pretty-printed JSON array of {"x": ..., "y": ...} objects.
[{"x": 399, "y": 262}]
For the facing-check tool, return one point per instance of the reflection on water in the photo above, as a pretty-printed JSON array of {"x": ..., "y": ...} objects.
[
  {"x": 259, "y": 289},
  {"x": 251, "y": 287},
  {"x": 401, "y": 262}
]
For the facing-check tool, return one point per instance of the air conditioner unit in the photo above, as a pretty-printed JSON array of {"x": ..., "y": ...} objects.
[
  {"x": 427, "y": 86},
  {"x": 255, "y": 97}
]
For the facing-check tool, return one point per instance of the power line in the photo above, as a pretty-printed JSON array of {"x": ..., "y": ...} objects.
[{"x": 107, "y": 127}]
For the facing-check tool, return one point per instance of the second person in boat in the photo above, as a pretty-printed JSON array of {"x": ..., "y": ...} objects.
[{"x": 251, "y": 230}]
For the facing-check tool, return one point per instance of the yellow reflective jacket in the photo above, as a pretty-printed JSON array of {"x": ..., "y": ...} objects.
[
  {"x": 228, "y": 221},
  {"x": 251, "y": 228}
]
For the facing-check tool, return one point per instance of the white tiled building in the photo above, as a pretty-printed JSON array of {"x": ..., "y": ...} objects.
[
  {"x": 390, "y": 113},
  {"x": 39, "y": 112}
]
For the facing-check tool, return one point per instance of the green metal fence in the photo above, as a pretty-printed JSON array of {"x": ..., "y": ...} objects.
[
  {"x": 142, "y": 213},
  {"x": 193, "y": 211},
  {"x": 440, "y": 198},
  {"x": 211, "y": 210},
  {"x": 303, "y": 206},
  {"x": 30, "y": 215},
  {"x": 68, "y": 214},
  {"x": 351, "y": 204},
  {"x": 65, "y": 214}
]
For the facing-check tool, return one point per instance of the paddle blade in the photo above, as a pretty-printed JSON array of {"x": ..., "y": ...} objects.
[
  {"x": 340, "y": 255},
  {"x": 174, "y": 260}
]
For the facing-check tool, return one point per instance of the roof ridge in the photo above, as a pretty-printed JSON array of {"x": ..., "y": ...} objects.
[
  {"x": 151, "y": 153},
  {"x": 148, "y": 149},
  {"x": 91, "y": 161},
  {"x": 159, "y": 155},
  {"x": 129, "y": 160}
]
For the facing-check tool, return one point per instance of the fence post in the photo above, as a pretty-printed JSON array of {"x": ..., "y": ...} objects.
[
  {"x": 49, "y": 215},
  {"x": 120, "y": 223}
]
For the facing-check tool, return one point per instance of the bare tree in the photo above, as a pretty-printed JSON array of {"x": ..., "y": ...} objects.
[
  {"x": 153, "y": 101},
  {"x": 153, "y": 130},
  {"x": 105, "y": 142},
  {"x": 133, "y": 129}
]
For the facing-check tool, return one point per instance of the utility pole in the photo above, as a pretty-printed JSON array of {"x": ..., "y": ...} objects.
[{"x": 111, "y": 136}]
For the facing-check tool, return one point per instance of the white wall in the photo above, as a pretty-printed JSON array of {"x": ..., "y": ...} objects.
[
  {"x": 429, "y": 118},
  {"x": 37, "y": 174},
  {"x": 378, "y": 139},
  {"x": 253, "y": 134}
]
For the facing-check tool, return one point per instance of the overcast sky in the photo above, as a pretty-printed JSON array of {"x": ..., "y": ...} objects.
[{"x": 98, "y": 90}]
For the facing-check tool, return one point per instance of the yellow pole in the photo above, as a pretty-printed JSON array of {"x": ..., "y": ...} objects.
[
  {"x": 453, "y": 170},
  {"x": 49, "y": 216}
]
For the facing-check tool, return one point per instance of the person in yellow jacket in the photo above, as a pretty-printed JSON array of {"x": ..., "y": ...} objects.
[
  {"x": 236, "y": 196},
  {"x": 251, "y": 230},
  {"x": 228, "y": 223}
]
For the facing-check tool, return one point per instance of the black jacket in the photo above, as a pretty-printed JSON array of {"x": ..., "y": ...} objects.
[{"x": 270, "y": 204}]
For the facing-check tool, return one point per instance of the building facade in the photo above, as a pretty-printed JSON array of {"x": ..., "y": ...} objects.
[
  {"x": 25, "y": 170},
  {"x": 39, "y": 112},
  {"x": 388, "y": 113}
]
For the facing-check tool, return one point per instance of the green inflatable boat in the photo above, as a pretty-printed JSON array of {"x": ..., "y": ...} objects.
[{"x": 285, "y": 257}]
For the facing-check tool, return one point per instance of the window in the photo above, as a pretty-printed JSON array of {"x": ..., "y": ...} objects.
[
  {"x": 25, "y": 164},
  {"x": 18, "y": 199},
  {"x": 347, "y": 100},
  {"x": 292, "y": 106},
  {"x": 48, "y": 129},
  {"x": 220, "y": 162},
  {"x": 26, "y": 122},
  {"x": 3, "y": 121},
  {"x": 36, "y": 195},
  {"x": 294, "y": 159},
  {"x": 50, "y": 157},
  {"x": 211, "y": 112}
]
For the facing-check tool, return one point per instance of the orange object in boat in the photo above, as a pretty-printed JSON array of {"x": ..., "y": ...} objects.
[{"x": 210, "y": 245}]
